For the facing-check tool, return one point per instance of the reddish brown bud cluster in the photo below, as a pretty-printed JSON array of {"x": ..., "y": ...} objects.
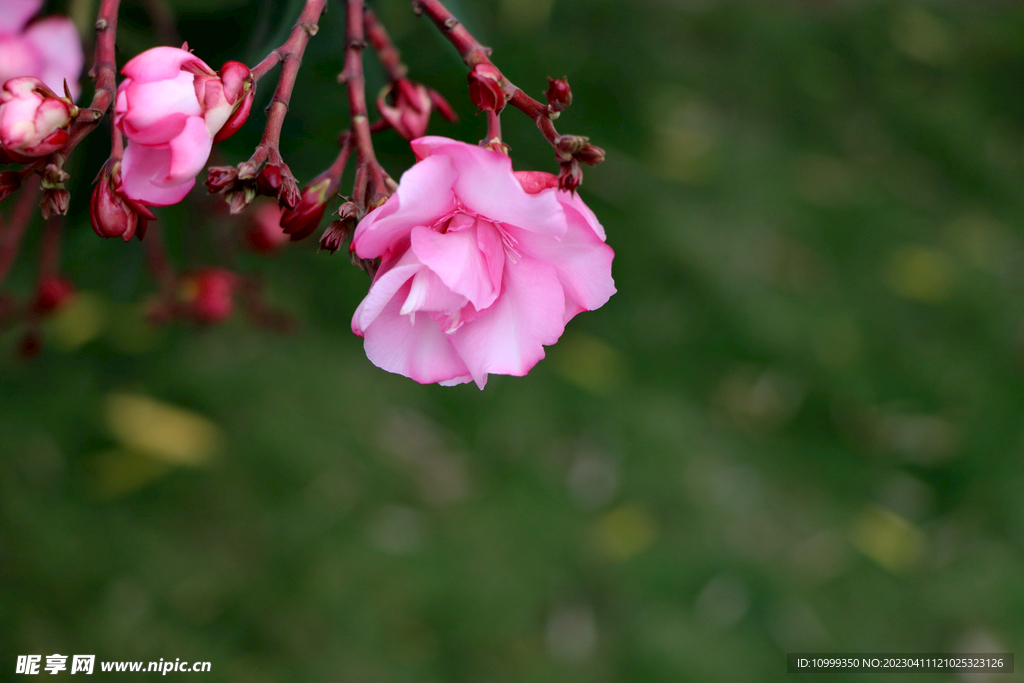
[
  {"x": 242, "y": 184},
  {"x": 338, "y": 231},
  {"x": 487, "y": 88},
  {"x": 570, "y": 151}
]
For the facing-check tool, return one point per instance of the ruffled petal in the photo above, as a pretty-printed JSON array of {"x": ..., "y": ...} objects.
[
  {"x": 189, "y": 151},
  {"x": 161, "y": 64},
  {"x": 383, "y": 290},
  {"x": 456, "y": 258},
  {"x": 429, "y": 293},
  {"x": 156, "y": 113},
  {"x": 144, "y": 176},
  {"x": 582, "y": 260},
  {"x": 58, "y": 44},
  {"x": 485, "y": 185},
  {"x": 413, "y": 347},
  {"x": 424, "y": 196},
  {"x": 509, "y": 337}
]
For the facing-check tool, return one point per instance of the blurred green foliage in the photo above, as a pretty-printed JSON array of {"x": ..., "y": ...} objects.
[{"x": 797, "y": 426}]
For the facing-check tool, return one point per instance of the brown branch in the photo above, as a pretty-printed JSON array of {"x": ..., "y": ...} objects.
[
  {"x": 369, "y": 174},
  {"x": 291, "y": 55}
]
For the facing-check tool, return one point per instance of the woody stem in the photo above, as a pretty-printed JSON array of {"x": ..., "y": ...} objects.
[{"x": 369, "y": 174}]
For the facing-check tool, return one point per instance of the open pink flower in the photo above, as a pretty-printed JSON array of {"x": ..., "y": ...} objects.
[
  {"x": 480, "y": 267},
  {"x": 172, "y": 107},
  {"x": 48, "y": 49}
]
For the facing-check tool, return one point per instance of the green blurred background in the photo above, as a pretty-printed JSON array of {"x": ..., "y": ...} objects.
[{"x": 797, "y": 426}]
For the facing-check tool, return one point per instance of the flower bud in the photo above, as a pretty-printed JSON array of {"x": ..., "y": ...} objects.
[
  {"x": 109, "y": 213},
  {"x": 559, "y": 94},
  {"x": 290, "y": 196},
  {"x": 367, "y": 265},
  {"x": 238, "y": 88},
  {"x": 487, "y": 88},
  {"x": 10, "y": 182},
  {"x": 301, "y": 221},
  {"x": 570, "y": 176},
  {"x": 208, "y": 294},
  {"x": 591, "y": 155},
  {"x": 55, "y": 202},
  {"x": 334, "y": 236},
  {"x": 263, "y": 232},
  {"x": 268, "y": 182},
  {"x": 240, "y": 198},
  {"x": 52, "y": 293},
  {"x": 221, "y": 178},
  {"x": 33, "y": 119}
]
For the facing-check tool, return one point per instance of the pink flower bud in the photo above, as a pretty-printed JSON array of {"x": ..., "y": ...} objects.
[
  {"x": 559, "y": 94},
  {"x": 268, "y": 182},
  {"x": 33, "y": 119},
  {"x": 221, "y": 178},
  {"x": 52, "y": 293},
  {"x": 263, "y": 233},
  {"x": 208, "y": 294},
  {"x": 301, "y": 221},
  {"x": 487, "y": 87},
  {"x": 109, "y": 213},
  {"x": 172, "y": 106}
]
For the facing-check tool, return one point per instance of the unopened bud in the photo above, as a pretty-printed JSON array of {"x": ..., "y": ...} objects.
[
  {"x": 290, "y": 195},
  {"x": 367, "y": 265},
  {"x": 591, "y": 155},
  {"x": 55, "y": 202},
  {"x": 54, "y": 175},
  {"x": 487, "y": 88},
  {"x": 51, "y": 294},
  {"x": 568, "y": 146},
  {"x": 268, "y": 182},
  {"x": 334, "y": 236},
  {"x": 570, "y": 176},
  {"x": 221, "y": 178},
  {"x": 559, "y": 94},
  {"x": 241, "y": 198},
  {"x": 303, "y": 219}
]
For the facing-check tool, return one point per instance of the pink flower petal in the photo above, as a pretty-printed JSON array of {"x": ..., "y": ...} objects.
[
  {"x": 458, "y": 261},
  {"x": 413, "y": 347},
  {"x": 144, "y": 176},
  {"x": 485, "y": 185},
  {"x": 429, "y": 293},
  {"x": 424, "y": 196},
  {"x": 583, "y": 261},
  {"x": 509, "y": 337},
  {"x": 156, "y": 113},
  {"x": 161, "y": 64},
  {"x": 57, "y": 42},
  {"x": 16, "y": 14},
  {"x": 189, "y": 151},
  {"x": 18, "y": 58},
  {"x": 383, "y": 290}
]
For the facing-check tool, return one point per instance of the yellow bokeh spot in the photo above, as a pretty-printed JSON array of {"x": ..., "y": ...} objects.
[
  {"x": 78, "y": 322},
  {"x": 624, "y": 532},
  {"x": 588, "y": 362},
  {"x": 920, "y": 273},
  {"x": 164, "y": 432},
  {"x": 888, "y": 539}
]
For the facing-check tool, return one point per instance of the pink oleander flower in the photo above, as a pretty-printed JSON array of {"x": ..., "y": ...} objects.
[
  {"x": 33, "y": 119},
  {"x": 480, "y": 268},
  {"x": 48, "y": 49},
  {"x": 172, "y": 107}
]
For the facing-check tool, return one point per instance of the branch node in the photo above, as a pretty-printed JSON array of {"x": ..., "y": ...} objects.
[
  {"x": 101, "y": 24},
  {"x": 450, "y": 23}
]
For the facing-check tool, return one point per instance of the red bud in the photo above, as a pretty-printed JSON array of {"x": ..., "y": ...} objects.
[
  {"x": 487, "y": 87},
  {"x": 109, "y": 214},
  {"x": 302, "y": 220},
  {"x": 559, "y": 94}
]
